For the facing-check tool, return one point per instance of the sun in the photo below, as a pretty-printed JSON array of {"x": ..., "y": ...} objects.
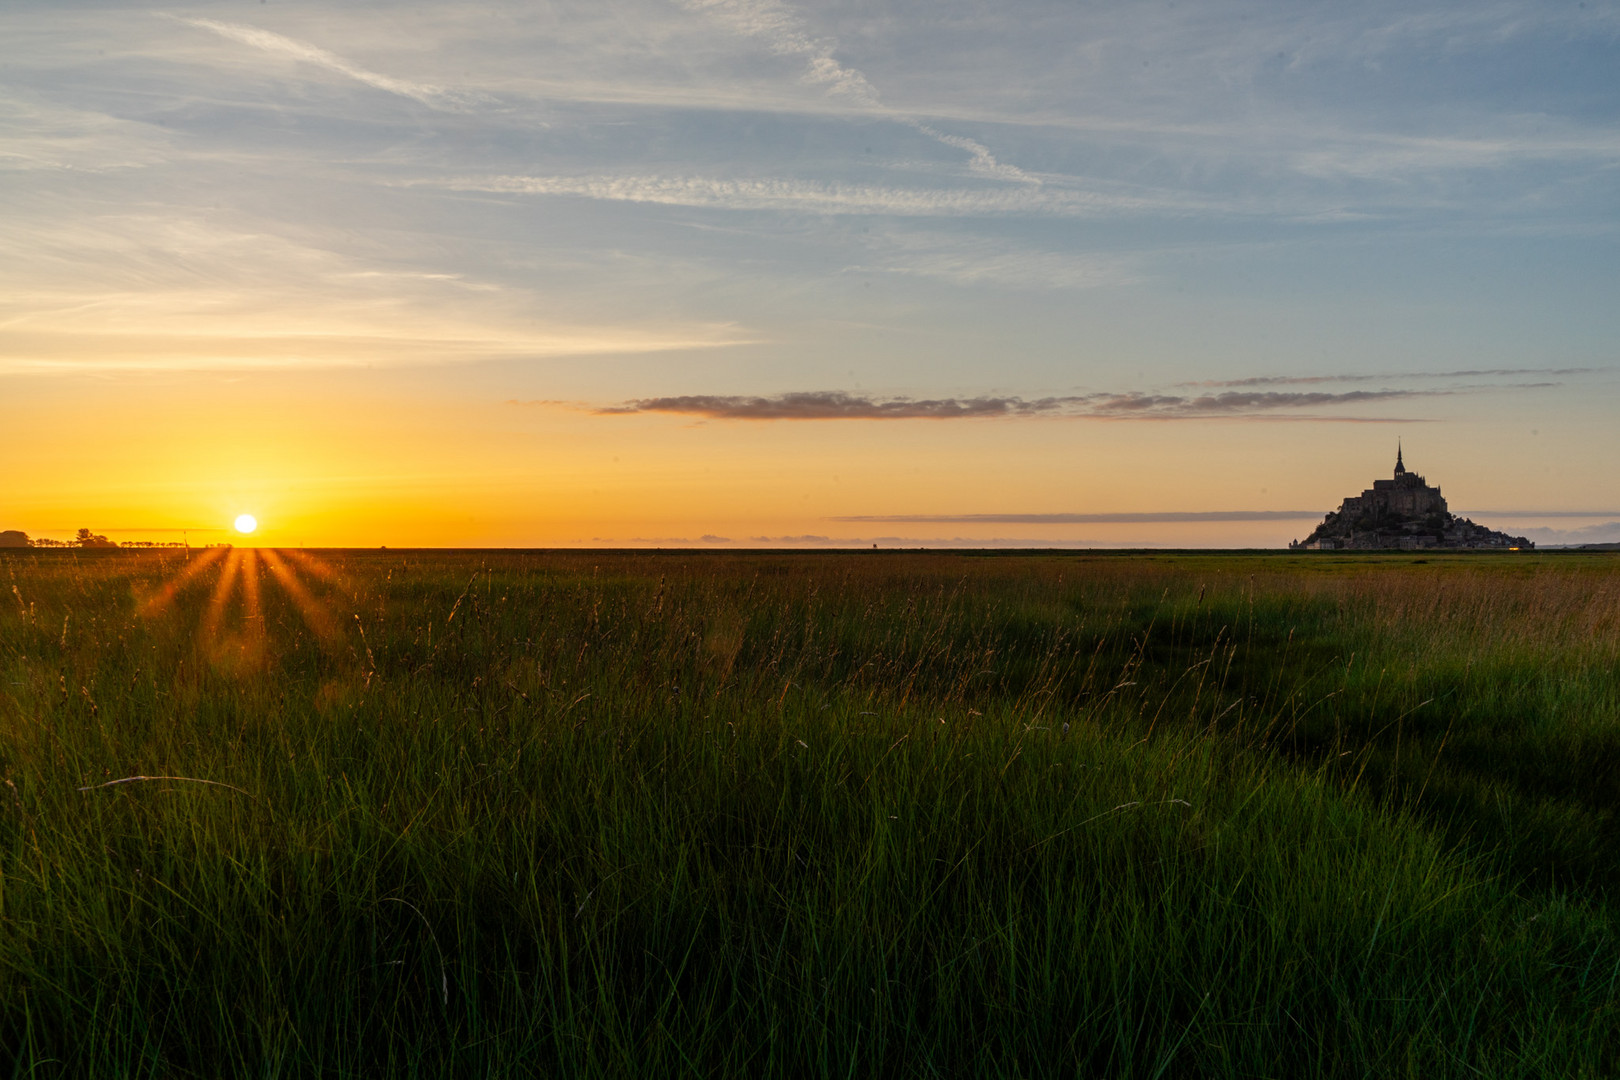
[{"x": 246, "y": 523}]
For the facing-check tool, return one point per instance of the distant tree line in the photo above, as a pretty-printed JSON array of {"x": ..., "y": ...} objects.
[{"x": 84, "y": 539}]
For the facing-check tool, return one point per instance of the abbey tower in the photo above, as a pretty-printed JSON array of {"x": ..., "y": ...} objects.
[{"x": 1403, "y": 512}]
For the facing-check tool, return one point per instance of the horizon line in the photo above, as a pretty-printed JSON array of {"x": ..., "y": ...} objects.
[{"x": 1172, "y": 516}]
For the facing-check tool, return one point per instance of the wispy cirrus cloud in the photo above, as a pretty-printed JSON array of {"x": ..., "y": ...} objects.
[
  {"x": 841, "y": 405},
  {"x": 436, "y": 97},
  {"x": 821, "y": 197},
  {"x": 974, "y": 263},
  {"x": 136, "y": 291},
  {"x": 785, "y": 34},
  {"x": 44, "y": 135},
  {"x": 1358, "y": 377}
]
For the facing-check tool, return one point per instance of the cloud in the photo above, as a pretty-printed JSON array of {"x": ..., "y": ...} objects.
[
  {"x": 1538, "y": 513},
  {"x": 817, "y": 197},
  {"x": 967, "y": 543},
  {"x": 1031, "y": 543},
  {"x": 1389, "y": 158},
  {"x": 1606, "y": 533},
  {"x": 978, "y": 263},
  {"x": 131, "y": 291},
  {"x": 1092, "y": 519},
  {"x": 841, "y": 405},
  {"x": 836, "y": 405},
  {"x": 436, "y": 97},
  {"x": 37, "y": 135},
  {"x": 1234, "y": 402},
  {"x": 785, "y": 34},
  {"x": 165, "y": 349},
  {"x": 1348, "y": 377},
  {"x": 982, "y": 161}
]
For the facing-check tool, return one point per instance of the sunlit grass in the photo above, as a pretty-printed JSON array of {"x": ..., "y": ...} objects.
[{"x": 852, "y": 814}]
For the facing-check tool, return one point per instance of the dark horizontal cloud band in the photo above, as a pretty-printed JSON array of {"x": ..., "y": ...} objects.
[
  {"x": 1542, "y": 513},
  {"x": 1392, "y": 376},
  {"x": 1091, "y": 519},
  {"x": 1175, "y": 516},
  {"x": 841, "y": 405}
]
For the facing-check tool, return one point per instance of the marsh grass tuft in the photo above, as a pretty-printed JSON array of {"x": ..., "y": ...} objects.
[{"x": 594, "y": 813}]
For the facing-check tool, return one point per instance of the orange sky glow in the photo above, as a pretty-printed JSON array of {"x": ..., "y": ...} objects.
[{"x": 772, "y": 274}]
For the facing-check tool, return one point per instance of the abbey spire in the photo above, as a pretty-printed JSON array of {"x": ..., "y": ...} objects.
[{"x": 1402, "y": 513}]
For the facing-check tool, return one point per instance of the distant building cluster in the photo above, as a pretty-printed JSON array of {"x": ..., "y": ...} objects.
[{"x": 1403, "y": 513}]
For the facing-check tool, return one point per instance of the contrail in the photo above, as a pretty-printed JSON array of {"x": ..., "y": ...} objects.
[
  {"x": 785, "y": 34},
  {"x": 436, "y": 97}
]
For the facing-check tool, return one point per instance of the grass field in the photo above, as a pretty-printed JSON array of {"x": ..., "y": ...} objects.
[{"x": 437, "y": 813}]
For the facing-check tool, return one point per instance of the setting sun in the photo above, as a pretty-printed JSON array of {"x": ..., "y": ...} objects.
[{"x": 246, "y": 523}]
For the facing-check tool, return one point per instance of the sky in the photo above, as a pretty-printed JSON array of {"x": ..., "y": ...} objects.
[{"x": 737, "y": 273}]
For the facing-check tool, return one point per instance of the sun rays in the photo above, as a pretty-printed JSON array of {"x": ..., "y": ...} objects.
[
  {"x": 315, "y": 614},
  {"x": 233, "y": 631}
]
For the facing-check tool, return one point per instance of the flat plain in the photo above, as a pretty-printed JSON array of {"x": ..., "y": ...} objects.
[{"x": 814, "y": 814}]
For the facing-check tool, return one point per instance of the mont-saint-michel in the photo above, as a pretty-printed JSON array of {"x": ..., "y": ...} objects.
[{"x": 1403, "y": 512}]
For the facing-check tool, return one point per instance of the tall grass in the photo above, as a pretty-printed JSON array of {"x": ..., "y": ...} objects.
[{"x": 810, "y": 815}]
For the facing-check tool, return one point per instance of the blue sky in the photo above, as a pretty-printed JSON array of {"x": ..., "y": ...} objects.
[{"x": 1017, "y": 258}]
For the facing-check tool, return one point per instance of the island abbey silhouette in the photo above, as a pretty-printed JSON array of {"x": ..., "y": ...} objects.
[{"x": 1402, "y": 513}]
